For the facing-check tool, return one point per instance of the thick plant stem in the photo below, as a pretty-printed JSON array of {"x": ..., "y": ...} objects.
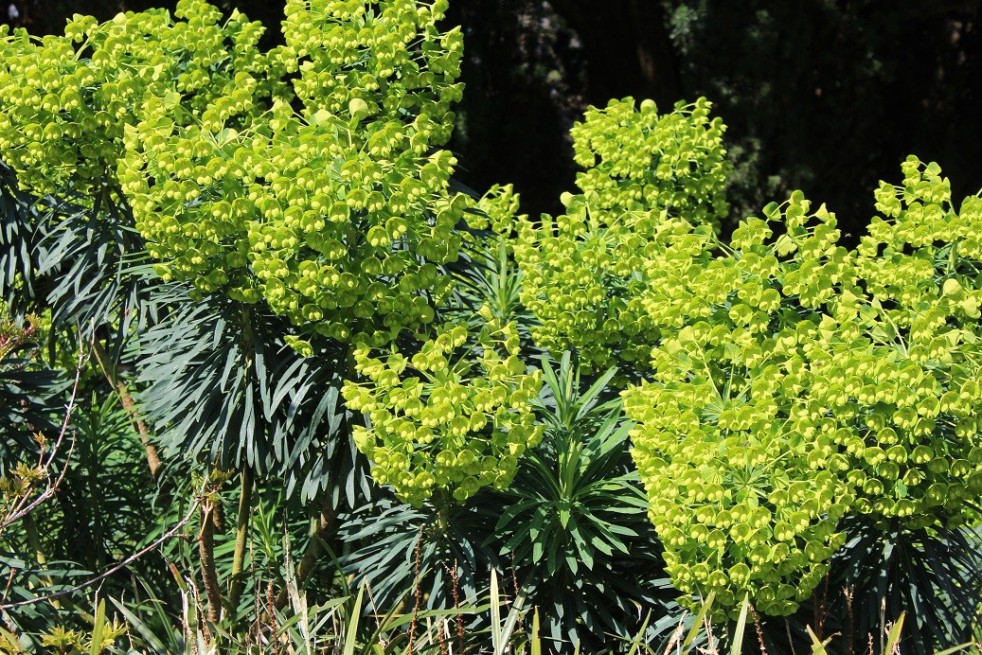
[
  {"x": 324, "y": 530},
  {"x": 418, "y": 588},
  {"x": 126, "y": 400},
  {"x": 206, "y": 553},
  {"x": 241, "y": 537}
]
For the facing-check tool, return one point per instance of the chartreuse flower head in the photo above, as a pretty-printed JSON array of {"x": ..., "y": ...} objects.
[
  {"x": 449, "y": 420},
  {"x": 68, "y": 101},
  {"x": 805, "y": 382},
  {"x": 338, "y": 215},
  {"x": 652, "y": 192},
  {"x": 920, "y": 458},
  {"x": 721, "y": 452}
]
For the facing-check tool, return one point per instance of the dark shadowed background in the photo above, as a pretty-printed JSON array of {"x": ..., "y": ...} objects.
[{"x": 824, "y": 95}]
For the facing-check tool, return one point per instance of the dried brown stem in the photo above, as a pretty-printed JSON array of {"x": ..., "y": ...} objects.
[
  {"x": 206, "y": 553},
  {"x": 418, "y": 591},
  {"x": 126, "y": 400},
  {"x": 459, "y": 620}
]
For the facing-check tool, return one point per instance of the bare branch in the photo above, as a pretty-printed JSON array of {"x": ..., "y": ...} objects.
[
  {"x": 117, "y": 567},
  {"x": 26, "y": 504}
]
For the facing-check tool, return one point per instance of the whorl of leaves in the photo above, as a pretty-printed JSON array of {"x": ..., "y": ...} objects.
[{"x": 223, "y": 386}]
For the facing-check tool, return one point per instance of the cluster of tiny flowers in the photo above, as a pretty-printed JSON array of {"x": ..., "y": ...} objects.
[
  {"x": 381, "y": 60},
  {"x": 498, "y": 211},
  {"x": 451, "y": 419},
  {"x": 338, "y": 215},
  {"x": 912, "y": 374},
  {"x": 67, "y": 100},
  {"x": 807, "y": 382},
  {"x": 636, "y": 159},
  {"x": 735, "y": 502},
  {"x": 654, "y": 184}
]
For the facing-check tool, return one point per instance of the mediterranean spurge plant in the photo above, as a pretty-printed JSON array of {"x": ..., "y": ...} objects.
[
  {"x": 289, "y": 277},
  {"x": 233, "y": 189},
  {"x": 820, "y": 383},
  {"x": 781, "y": 381},
  {"x": 298, "y": 187}
]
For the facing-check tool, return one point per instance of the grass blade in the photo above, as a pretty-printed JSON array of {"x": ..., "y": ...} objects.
[
  {"x": 135, "y": 622},
  {"x": 700, "y": 618},
  {"x": 894, "y": 637},
  {"x": 818, "y": 647},
  {"x": 496, "y": 631},
  {"x": 351, "y": 634},
  {"x": 98, "y": 627},
  {"x": 737, "y": 645}
]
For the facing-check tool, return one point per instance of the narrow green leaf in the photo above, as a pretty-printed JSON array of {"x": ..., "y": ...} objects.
[
  {"x": 589, "y": 398},
  {"x": 351, "y": 634},
  {"x": 694, "y": 630},
  {"x": 141, "y": 627},
  {"x": 495, "y": 613},
  {"x": 639, "y": 637},
  {"x": 818, "y": 647},
  {"x": 956, "y": 649},
  {"x": 894, "y": 637},
  {"x": 98, "y": 627},
  {"x": 741, "y": 624},
  {"x": 511, "y": 621}
]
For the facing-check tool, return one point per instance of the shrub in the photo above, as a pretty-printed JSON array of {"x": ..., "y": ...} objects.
[{"x": 307, "y": 246}]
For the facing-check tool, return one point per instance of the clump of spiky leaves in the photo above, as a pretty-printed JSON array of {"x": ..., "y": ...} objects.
[
  {"x": 933, "y": 576},
  {"x": 223, "y": 387},
  {"x": 574, "y": 523}
]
